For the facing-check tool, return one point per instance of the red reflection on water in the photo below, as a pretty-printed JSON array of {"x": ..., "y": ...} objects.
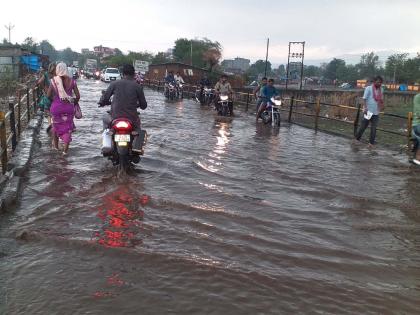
[{"x": 122, "y": 219}]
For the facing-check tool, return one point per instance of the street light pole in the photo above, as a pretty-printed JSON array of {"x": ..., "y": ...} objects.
[
  {"x": 9, "y": 28},
  {"x": 266, "y": 58}
]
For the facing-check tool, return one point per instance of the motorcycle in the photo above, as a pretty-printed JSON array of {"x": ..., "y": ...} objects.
[
  {"x": 223, "y": 106},
  {"x": 180, "y": 90},
  {"x": 271, "y": 114},
  {"x": 204, "y": 95},
  {"x": 122, "y": 143},
  {"x": 170, "y": 92}
]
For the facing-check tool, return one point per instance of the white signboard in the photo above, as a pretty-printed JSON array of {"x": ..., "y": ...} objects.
[{"x": 141, "y": 66}]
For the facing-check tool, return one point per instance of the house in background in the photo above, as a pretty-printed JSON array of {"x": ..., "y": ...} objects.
[{"x": 190, "y": 74}]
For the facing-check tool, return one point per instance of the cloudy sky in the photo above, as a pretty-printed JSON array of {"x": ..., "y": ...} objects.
[{"x": 329, "y": 27}]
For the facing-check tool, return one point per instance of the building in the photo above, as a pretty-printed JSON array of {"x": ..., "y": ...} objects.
[
  {"x": 190, "y": 74},
  {"x": 15, "y": 61},
  {"x": 237, "y": 65},
  {"x": 103, "y": 52}
]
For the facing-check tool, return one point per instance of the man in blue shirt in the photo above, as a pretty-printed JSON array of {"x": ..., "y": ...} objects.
[
  {"x": 267, "y": 92},
  {"x": 373, "y": 104}
]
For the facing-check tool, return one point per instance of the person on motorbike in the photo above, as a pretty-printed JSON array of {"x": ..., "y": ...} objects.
[
  {"x": 179, "y": 81},
  {"x": 169, "y": 79},
  {"x": 416, "y": 129},
  {"x": 178, "y": 78},
  {"x": 204, "y": 82},
  {"x": 128, "y": 96},
  {"x": 257, "y": 93},
  {"x": 267, "y": 92},
  {"x": 223, "y": 87}
]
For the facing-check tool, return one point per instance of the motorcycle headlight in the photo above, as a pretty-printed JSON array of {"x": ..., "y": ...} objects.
[{"x": 224, "y": 97}]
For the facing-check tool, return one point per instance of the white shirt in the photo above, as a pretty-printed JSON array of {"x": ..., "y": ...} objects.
[{"x": 179, "y": 79}]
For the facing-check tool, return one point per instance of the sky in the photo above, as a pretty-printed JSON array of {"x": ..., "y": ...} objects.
[{"x": 330, "y": 28}]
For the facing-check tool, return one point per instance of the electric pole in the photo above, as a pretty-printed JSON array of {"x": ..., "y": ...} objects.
[
  {"x": 191, "y": 53},
  {"x": 266, "y": 57},
  {"x": 9, "y": 28}
]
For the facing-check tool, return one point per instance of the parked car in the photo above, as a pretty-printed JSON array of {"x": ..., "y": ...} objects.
[
  {"x": 345, "y": 86},
  {"x": 111, "y": 74}
]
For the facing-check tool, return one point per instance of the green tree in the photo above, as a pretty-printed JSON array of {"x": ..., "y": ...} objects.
[
  {"x": 67, "y": 55},
  {"x": 394, "y": 67},
  {"x": 48, "y": 49},
  {"x": 369, "y": 65},
  {"x": 335, "y": 69},
  {"x": 142, "y": 55},
  {"x": 311, "y": 71},
  {"x": 30, "y": 44},
  {"x": 160, "y": 57},
  {"x": 205, "y": 53},
  {"x": 258, "y": 68},
  {"x": 411, "y": 70}
]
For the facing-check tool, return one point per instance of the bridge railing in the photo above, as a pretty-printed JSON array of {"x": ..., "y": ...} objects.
[
  {"x": 334, "y": 118},
  {"x": 14, "y": 120}
]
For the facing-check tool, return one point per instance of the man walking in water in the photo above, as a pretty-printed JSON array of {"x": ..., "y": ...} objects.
[{"x": 373, "y": 104}]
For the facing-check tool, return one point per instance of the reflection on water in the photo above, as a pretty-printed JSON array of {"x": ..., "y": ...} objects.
[
  {"x": 122, "y": 219},
  {"x": 244, "y": 218}
]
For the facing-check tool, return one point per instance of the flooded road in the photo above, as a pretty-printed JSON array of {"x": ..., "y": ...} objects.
[{"x": 219, "y": 218}]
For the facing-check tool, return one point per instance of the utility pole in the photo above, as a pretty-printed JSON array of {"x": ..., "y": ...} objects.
[
  {"x": 191, "y": 53},
  {"x": 9, "y": 28},
  {"x": 266, "y": 57}
]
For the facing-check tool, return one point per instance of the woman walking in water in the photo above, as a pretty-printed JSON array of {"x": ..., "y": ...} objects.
[{"x": 62, "y": 107}]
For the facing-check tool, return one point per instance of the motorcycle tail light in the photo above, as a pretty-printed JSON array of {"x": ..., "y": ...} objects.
[{"x": 122, "y": 125}]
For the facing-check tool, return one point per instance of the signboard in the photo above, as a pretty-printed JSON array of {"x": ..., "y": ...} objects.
[
  {"x": 141, "y": 66},
  {"x": 91, "y": 64}
]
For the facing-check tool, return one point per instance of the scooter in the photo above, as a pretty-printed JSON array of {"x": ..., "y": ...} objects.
[
  {"x": 180, "y": 90},
  {"x": 271, "y": 114}
]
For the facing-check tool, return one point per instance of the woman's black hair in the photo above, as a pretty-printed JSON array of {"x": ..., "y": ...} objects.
[{"x": 128, "y": 70}]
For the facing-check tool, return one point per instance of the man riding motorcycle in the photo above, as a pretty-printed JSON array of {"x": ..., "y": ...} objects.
[
  {"x": 204, "y": 82},
  {"x": 223, "y": 87},
  {"x": 179, "y": 82},
  {"x": 169, "y": 79},
  {"x": 128, "y": 96},
  {"x": 267, "y": 92}
]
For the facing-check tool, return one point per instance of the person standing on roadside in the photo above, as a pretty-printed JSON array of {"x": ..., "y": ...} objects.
[
  {"x": 416, "y": 129},
  {"x": 257, "y": 93},
  {"x": 373, "y": 104},
  {"x": 61, "y": 91}
]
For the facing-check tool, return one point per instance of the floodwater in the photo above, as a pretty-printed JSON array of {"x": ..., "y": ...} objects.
[{"x": 219, "y": 218}]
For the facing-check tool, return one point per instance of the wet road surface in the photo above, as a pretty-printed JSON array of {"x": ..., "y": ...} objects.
[{"x": 219, "y": 218}]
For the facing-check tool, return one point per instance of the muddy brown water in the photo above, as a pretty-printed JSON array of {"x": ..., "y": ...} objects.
[{"x": 219, "y": 218}]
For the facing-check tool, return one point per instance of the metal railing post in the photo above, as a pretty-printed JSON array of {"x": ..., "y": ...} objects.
[
  {"x": 3, "y": 142},
  {"x": 317, "y": 111},
  {"x": 292, "y": 101},
  {"x": 356, "y": 121},
  {"x": 28, "y": 105},
  {"x": 409, "y": 127},
  {"x": 247, "y": 102},
  {"x": 13, "y": 125},
  {"x": 19, "y": 114},
  {"x": 34, "y": 100}
]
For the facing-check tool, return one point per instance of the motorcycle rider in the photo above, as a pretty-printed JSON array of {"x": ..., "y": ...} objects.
[
  {"x": 170, "y": 78},
  {"x": 128, "y": 96},
  {"x": 223, "y": 87},
  {"x": 267, "y": 92},
  {"x": 178, "y": 80},
  {"x": 257, "y": 93},
  {"x": 204, "y": 82}
]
